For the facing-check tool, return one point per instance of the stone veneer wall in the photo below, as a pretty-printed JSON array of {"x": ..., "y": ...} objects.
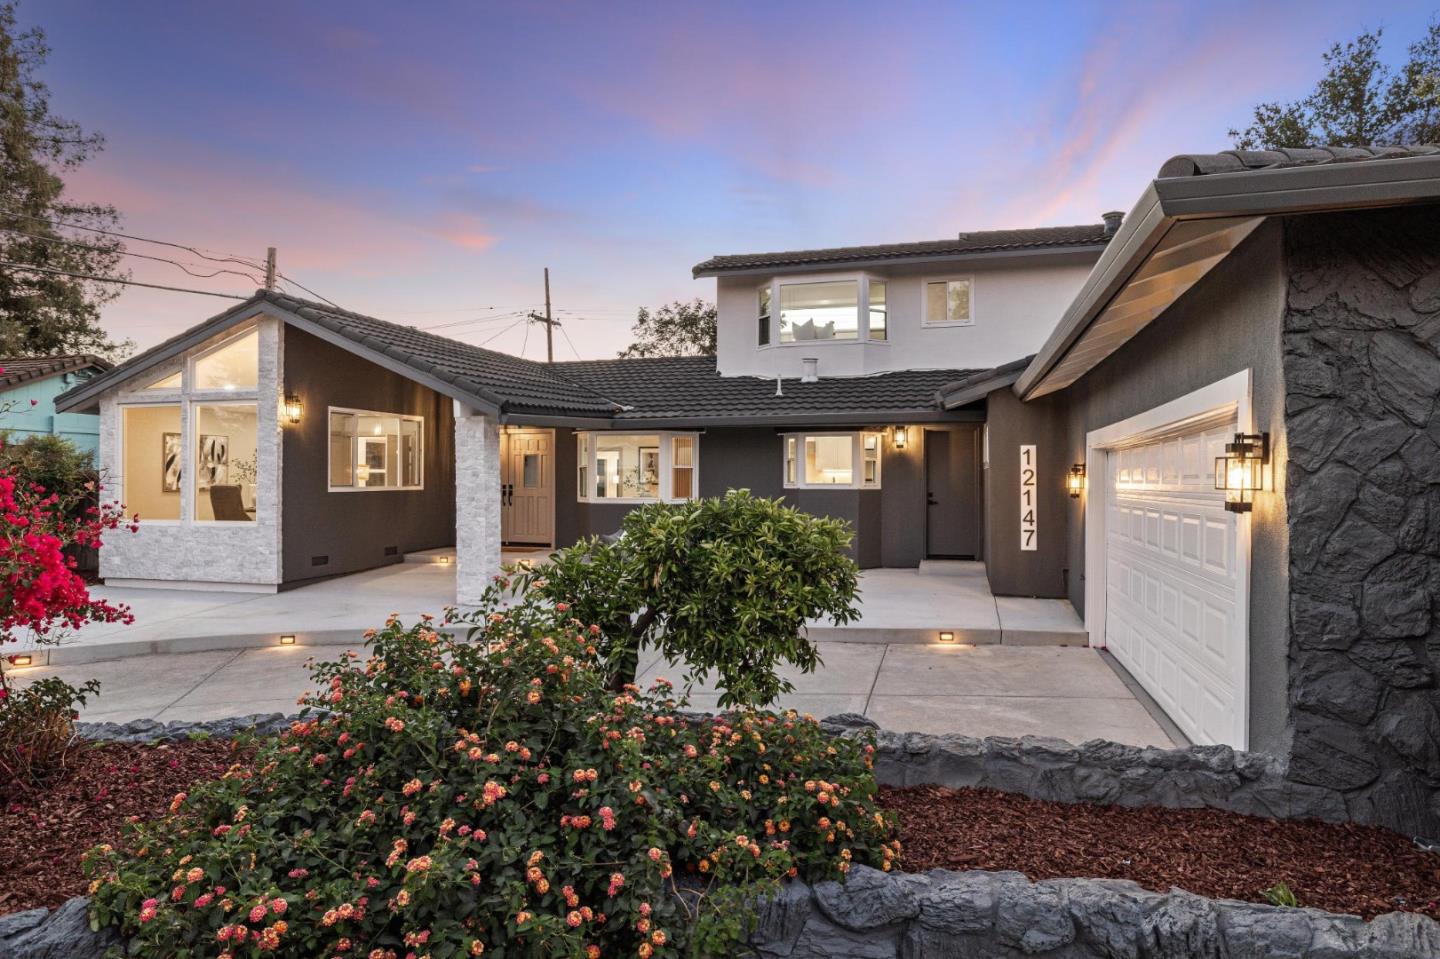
[
  {"x": 477, "y": 503},
  {"x": 1362, "y": 371}
]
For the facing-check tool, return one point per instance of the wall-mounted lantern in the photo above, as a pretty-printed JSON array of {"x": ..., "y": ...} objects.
[
  {"x": 1075, "y": 480},
  {"x": 900, "y": 436},
  {"x": 293, "y": 408},
  {"x": 1242, "y": 470}
]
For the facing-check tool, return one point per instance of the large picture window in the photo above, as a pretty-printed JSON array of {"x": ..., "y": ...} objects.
[
  {"x": 832, "y": 460},
  {"x": 636, "y": 467},
  {"x": 375, "y": 451},
  {"x": 819, "y": 311},
  {"x": 195, "y": 457}
]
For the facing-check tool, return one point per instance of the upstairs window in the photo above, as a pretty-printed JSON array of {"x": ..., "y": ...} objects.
[
  {"x": 877, "y": 310},
  {"x": 832, "y": 460},
  {"x": 762, "y": 328},
  {"x": 819, "y": 311},
  {"x": 949, "y": 302}
]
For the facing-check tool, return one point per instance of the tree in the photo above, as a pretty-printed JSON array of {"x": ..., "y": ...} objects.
[
  {"x": 676, "y": 329},
  {"x": 1359, "y": 101},
  {"x": 725, "y": 584},
  {"x": 43, "y": 313}
]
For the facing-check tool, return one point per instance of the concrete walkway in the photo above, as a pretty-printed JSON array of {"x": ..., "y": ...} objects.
[
  {"x": 1070, "y": 693},
  {"x": 897, "y": 606}
]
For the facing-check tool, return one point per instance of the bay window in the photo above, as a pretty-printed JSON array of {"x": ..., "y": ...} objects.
[
  {"x": 636, "y": 467},
  {"x": 832, "y": 460},
  {"x": 845, "y": 309},
  {"x": 375, "y": 451}
]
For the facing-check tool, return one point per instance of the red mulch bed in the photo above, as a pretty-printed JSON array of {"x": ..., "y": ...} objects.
[
  {"x": 1347, "y": 868},
  {"x": 44, "y": 831}
]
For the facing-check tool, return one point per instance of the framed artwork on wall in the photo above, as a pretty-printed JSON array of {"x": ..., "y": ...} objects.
[
  {"x": 170, "y": 462},
  {"x": 214, "y": 461}
]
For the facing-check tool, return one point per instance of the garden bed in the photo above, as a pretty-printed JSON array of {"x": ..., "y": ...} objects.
[
  {"x": 45, "y": 831},
  {"x": 1339, "y": 867}
]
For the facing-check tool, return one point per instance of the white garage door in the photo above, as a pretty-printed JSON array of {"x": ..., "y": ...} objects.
[{"x": 1175, "y": 585}]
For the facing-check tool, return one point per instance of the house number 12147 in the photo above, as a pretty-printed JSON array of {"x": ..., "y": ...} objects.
[{"x": 1027, "y": 497}]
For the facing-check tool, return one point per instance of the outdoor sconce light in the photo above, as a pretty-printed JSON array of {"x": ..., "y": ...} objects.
[
  {"x": 946, "y": 636},
  {"x": 899, "y": 436},
  {"x": 293, "y": 408},
  {"x": 24, "y": 659},
  {"x": 287, "y": 640},
  {"x": 1075, "y": 480},
  {"x": 1241, "y": 471}
]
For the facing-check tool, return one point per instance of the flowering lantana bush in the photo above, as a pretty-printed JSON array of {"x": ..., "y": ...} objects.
[{"x": 490, "y": 796}]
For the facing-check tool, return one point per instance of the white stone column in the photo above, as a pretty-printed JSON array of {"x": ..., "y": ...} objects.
[{"x": 477, "y": 502}]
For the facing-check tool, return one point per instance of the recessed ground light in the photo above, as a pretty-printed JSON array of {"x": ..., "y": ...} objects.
[
  {"x": 22, "y": 660},
  {"x": 444, "y": 561},
  {"x": 287, "y": 640},
  {"x": 946, "y": 636}
]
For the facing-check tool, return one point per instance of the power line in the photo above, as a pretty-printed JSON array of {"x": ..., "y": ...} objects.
[
  {"x": 143, "y": 256},
  {"x": 111, "y": 279},
  {"x": 565, "y": 333},
  {"x": 308, "y": 290},
  {"x": 479, "y": 319},
  {"x": 502, "y": 332},
  {"x": 228, "y": 258},
  {"x": 526, "y": 342}
]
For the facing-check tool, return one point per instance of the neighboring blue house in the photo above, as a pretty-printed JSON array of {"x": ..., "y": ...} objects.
[{"x": 40, "y": 379}]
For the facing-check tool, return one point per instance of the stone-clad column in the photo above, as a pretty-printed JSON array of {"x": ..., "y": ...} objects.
[{"x": 477, "y": 502}]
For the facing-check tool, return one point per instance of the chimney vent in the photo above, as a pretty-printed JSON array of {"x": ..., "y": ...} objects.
[
  {"x": 812, "y": 373},
  {"x": 1113, "y": 219},
  {"x": 779, "y": 385}
]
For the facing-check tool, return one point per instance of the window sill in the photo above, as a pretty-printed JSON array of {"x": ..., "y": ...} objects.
[
  {"x": 835, "y": 486},
  {"x": 625, "y": 501},
  {"x": 375, "y": 489},
  {"x": 946, "y": 324}
]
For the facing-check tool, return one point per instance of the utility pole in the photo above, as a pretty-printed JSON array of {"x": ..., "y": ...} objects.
[
  {"x": 270, "y": 268},
  {"x": 549, "y": 322}
]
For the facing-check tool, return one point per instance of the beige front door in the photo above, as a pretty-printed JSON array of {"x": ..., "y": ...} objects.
[{"x": 527, "y": 486}]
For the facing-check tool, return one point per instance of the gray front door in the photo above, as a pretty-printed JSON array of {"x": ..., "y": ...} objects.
[{"x": 952, "y": 493}]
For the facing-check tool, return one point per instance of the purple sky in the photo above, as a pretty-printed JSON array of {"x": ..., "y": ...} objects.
[{"x": 425, "y": 166}]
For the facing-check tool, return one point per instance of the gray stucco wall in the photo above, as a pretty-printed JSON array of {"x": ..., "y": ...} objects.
[
  {"x": 1228, "y": 322},
  {"x": 1362, "y": 363},
  {"x": 354, "y": 529}
]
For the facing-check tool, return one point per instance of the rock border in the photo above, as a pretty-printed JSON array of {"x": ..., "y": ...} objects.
[
  {"x": 1097, "y": 771},
  {"x": 959, "y": 915}
]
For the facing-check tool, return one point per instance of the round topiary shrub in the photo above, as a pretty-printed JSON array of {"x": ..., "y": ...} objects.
[{"x": 488, "y": 795}]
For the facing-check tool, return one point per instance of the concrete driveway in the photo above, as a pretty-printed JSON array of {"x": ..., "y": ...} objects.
[{"x": 1067, "y": 692}]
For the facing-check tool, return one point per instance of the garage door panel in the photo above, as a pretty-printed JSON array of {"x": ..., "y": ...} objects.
[{"x": 1174, "y": 612}]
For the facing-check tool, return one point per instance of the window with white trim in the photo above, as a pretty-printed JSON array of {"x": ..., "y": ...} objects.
[
  {"x": 195, "y": 430},
  {"x": 848, "y": 308},
  {"x": 636, "y": 467},
  {"x": 950, "y": 302},
  {"x": 832, "y": 460},
  {"x": 375, "y": 451}
]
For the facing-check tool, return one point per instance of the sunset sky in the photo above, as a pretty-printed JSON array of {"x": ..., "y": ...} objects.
[{"x": 423, "y": 162}]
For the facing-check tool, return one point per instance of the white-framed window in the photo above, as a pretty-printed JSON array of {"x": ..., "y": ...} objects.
[
  {"x": 832, "y": 460},
  {"x": 762, "y": 318},
  {"x": 195, "y": 429},
  {"x": 371, "y": 450},
  {"x": 845, "y": 308},
  {"x": 636, "y": 467},
  {"x": 950, "y": 301}
]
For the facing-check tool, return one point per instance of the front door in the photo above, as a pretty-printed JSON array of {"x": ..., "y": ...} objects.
[
  {"x": 527, "y": 487},
  {"x": 952, "y": 494}
]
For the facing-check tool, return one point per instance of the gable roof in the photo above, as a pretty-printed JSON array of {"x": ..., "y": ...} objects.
[
  {"x": 663, "y": 390},
  {"x": 15, "y": 370},
  {"x": 1191, "y": 216},
  {"x": 689, "y": 390},
  {"x": 1045, "y": 239},
  {"x": 980, "y": 384}
]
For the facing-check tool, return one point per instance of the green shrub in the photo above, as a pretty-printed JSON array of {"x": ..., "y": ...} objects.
[
  {"x": 491, "y": 795},
  {"x": 37, "y": 730},
  {"x": 54, "y": 463},
  {"x": 725, "y": 584}
]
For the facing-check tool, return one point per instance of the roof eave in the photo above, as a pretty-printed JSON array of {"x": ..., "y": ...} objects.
[
  {"x": 1337, "y": 186},
  {"x": 821, "y": 266}
]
